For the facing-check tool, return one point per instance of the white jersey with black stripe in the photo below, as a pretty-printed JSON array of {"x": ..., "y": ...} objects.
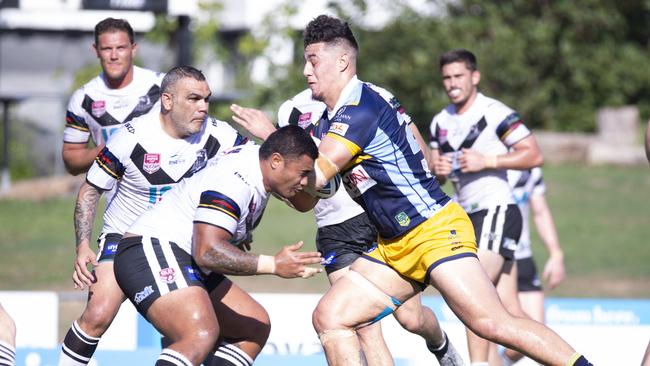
[
  {"x": 145, "y": 162},
  {"x": 525, "y": 184},
  {"x": 489, "y": 127},
  {"x": 228, "y": 193},
  {"x": 97, "y": 111}
]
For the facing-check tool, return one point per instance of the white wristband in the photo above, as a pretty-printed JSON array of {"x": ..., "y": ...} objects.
[{"x": 266, "y": 264}]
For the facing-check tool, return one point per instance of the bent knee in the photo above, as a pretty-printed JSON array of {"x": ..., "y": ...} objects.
[
  {"x": 96, "y": 318},
  {"x": 487, "y": 328},
  {"x": 323, "y": 319}
]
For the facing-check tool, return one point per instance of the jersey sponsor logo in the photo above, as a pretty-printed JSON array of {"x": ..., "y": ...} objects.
[
  {"x": 339, "y": 128},
  {"x": 151, "y": 163},
  {"x": 167, "y": 275},
  {"x": 403, "y": 219},
  {"x": 111, "y": 248},
  {"x": 98, "y": 108},
  {"x": 140, "y": 296},
  {"x": 304, "y": 120},
  {"x": 510, "y": 244},
  {"x": 357, "y": 181}
]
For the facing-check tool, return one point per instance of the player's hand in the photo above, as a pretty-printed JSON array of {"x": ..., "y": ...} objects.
[
  {"x": 442, "y": 165},
  {"x": 291, "y": 263},
  {"x": 471, "y": 161},
  {"x": 554, "y": 272},
  {"x": 81, "y": 276},
  {"x": 253, "y": 120}
]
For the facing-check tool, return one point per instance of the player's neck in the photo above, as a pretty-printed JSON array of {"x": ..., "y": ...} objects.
[
  {"x": 467, "y": 104},
  {"x": 120, "y": 82}
]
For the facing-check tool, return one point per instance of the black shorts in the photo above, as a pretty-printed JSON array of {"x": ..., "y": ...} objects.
[
  {"x": 107, "y": 244},
  {"x": 527, "y": 276},
  {"x": 498, "y": 229},
  {"x": 341, "y": 244},
  {"x": 148, "y": 268}
]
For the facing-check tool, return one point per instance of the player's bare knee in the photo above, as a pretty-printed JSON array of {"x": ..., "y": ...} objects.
[
  {"x": 96, "y": 319},
  {"x": 486, "y": 328},
  {"x": 410, "y": 321},
  {"x": 323, "y": 319}
]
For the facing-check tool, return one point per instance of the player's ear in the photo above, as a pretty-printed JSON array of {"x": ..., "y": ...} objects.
[
  {"x": 343, "y": 62},
  {"x": 134, "y": 49},
  {"x": 276, "y": 160},
  {"x": 476, "y": 77},
  {"x": 94, "y": 47},
  {"x": 167, "y": 101}
]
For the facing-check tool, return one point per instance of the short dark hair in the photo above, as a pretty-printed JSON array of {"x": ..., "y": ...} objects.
[
  {"x": 113, "y": 25},
  {"x": 459, "y": 55},
  {"x": 177, "y": 73},
  {"x": 328, "y": 29},
  {"x": 289, "y": 141}
]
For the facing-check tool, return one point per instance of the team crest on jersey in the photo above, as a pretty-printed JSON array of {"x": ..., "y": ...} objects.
[
  {"x": 201, "y": 160},
  {"x": 98, "y": 108},
  {"x": 403, "y": 219},
  {"x": 339, "y": 128},
  {"x": 167, "y": 275},
  {"x": 151, "y": 163},
  {"x": 304, "y": 120}
]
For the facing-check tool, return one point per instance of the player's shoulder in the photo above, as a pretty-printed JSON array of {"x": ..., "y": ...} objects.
[
  {"x": 300, "y": 109},
  {"x": 217, "y": 126},
  {"x": 147, "y": 75},
  {"x": 495, "y": 110}
]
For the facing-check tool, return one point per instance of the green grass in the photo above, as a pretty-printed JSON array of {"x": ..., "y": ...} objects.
[{"x": 601, "y": 213}]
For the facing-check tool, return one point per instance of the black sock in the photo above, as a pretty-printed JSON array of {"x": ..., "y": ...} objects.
[{"x": 77, "y": 347}]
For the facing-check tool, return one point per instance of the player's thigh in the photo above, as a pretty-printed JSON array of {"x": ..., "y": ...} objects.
[
  {"x": 468, "y": 291},
  {"x": 410, "y": 311},
  {"x": 498, "y": 229},
  {"x": 507, "y": 289},
  {"x": 341, "y": 244},
  {"x": 238, "y": 313},
  {"x": 348, "y": 303},
  {"x": 184, "y": 313},
  {"x": 104, "y": 296}
]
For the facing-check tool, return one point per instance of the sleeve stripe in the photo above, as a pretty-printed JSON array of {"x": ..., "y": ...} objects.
[
  {"x": 351, "y": 146},
  {"x": 220, "y": 202},
  {"x": 109, "y": 163}
]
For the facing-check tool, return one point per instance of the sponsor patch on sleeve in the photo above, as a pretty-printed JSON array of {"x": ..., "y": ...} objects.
[{"x": 339, "y": 128}]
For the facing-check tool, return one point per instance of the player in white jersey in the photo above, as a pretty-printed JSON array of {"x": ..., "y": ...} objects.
[
  {"x": 120, "y": 93},
  {"x": 164, "y": 258},
  {"x": 149, "y": 155},
  {"x": 474, "y": 140},
  {"x": 7, "y": 339},
  {"x": 345, "y": 233},
  {"x": 528, "y": 190}
]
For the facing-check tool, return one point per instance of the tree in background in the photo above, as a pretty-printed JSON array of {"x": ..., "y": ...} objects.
[{"x": 557, "y": 62}]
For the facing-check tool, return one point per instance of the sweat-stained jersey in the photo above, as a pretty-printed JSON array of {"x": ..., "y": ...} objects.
[
  {"x": 97, "y": 111},
  {"x": 305, "y": 112},
  {"x": 228, "y": 193},
  {"x": 145, "y": 162},
  {"x": 388, "y": 174},
  {"x": 525, "y": 184},
  {"x": 489, "y": 127}
]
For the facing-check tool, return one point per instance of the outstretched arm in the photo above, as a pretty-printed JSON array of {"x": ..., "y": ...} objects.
[
  {"x": 211, "y": 249},
  {"x": 253, "y": 120},
  {"x": 84, "y": 218},
  {"x": 554, "y": 271}
]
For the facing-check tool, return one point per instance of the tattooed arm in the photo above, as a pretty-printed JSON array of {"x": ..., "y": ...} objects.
[
  {"x": 84, "y": 218},
  {"x": 212, "y": 250}
]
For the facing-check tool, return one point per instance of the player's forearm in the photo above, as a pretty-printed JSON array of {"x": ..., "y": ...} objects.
[
  {"x": 224, "y": 258},
  {"x": 546, "y": 227},
  {"x": 78, "y": 161},
  {"x": 84, "y": 212}
]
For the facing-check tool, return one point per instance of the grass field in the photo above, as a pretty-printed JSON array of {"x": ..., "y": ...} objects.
[{"x": 602, "y": 214}]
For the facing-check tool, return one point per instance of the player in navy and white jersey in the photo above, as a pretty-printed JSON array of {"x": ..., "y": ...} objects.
[
  {"x": 424, "y": 238},
  {"x": 345, "y": 233},
  {"x": 121, "y": 92},
  {"x": 146, "y": 158},
  {"x": 165, "y": 260},
  {"x": 474, "y": 141},
  {"x": 528, "y": 190}
]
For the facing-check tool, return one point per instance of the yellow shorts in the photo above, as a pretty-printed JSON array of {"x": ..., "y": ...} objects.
[{"x": 446, "y": 236}]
